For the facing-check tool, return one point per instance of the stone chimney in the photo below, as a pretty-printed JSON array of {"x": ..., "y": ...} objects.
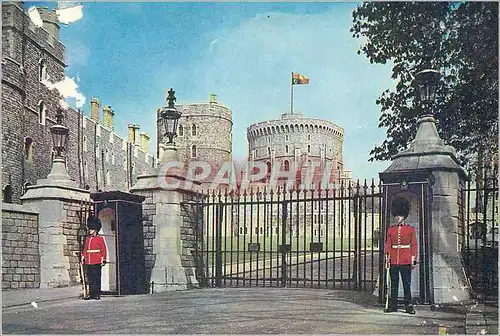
[
  {"x": 131, "y": 133},
  {"x": 95, "y": 105},
  {"x": 108, "y": 117},
  {"x": 144, "y": 141},
  {"x": 50, "y": 21},
  {"x": 213, "y": 98}
]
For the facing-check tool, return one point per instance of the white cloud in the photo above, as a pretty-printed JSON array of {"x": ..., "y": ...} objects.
[
  {"x": 69, "y": 14},
  {"x": 68, "y": 89},
  {"x": 35, "y": 16}
]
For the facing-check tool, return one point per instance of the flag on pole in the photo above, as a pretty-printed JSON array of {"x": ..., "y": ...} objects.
[{"x": 299, "y": 79}]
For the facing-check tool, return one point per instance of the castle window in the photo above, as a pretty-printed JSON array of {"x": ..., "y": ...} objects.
[
  {"x": 309, "y": 148},
  {"x": 181, "y": 130},
  {"x": 309, "y": 137},
  {"x": 42, "y": 70},
  {"x": 28, "y": 149},
  {"x": 193, "y": 129},
  {"x": 287, "y": 165},
  {"x": 286, "y": 137},
  {"x": 286, "y": 148},
  {"x": 194, "y": 153},
  {"x": 84, "y": 143},
  {"x": 42, "y": 112},
  {"x": 7, "y": 194},
  {"x": 86, "y": 169}
]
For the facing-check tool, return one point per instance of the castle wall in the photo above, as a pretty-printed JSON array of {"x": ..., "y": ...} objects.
[
  {"x": 95, "y": 158},
  {"x": 20, "y": 253}
]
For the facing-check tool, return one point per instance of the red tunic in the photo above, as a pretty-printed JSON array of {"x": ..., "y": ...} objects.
[
  {"x": 401, "y": 244},
  {"x": 95, "y": 250}
]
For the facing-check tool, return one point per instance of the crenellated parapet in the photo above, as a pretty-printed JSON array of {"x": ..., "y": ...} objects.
[{"x": 294, "y": 138}]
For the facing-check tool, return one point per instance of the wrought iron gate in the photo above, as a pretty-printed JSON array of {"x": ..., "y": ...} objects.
[{"x": 311, "y": 238}]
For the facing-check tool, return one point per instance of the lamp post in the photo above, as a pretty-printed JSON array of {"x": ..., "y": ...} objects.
[
  {"x": 59, "y": 137},
  {"x": 426, "y": 83},
  {"x": 169, "y": 117},
  {"x": 59, "y": 134}
]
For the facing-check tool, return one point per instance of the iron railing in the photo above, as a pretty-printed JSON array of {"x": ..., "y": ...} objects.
[{"x": 291, "y": 238}]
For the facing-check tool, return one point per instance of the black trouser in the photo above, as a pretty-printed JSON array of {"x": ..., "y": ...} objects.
[
  {"x": 405, "y": 271},
  {"x": 94, "y": 279}
]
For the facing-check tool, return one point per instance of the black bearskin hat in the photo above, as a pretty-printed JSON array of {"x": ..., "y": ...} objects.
[
  {"x": 93, "y": 223},
  {"x": 400, "y": 207}
]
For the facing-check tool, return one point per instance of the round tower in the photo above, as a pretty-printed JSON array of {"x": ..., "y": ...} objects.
[
  {"x": 294, "y": 138},
  {"x": 204, "y": 132}
]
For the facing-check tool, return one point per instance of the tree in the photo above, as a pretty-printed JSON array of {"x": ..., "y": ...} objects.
[{"x": 458, "y": 39}]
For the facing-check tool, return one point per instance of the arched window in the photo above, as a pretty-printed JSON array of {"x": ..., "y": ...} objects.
[
  {"x": 309, "y": 148},
  {"x": 85, "y": 168},
  {"x": 194, "y": 153},
  {"x": 42, "y": 111},
  {"x": 7, "y": 194},
  {"x": 181, "y": 130},
  {"x": 42, "y": 70},
  {"x": 28, "y": 149},
  {"x": 287, "y": 165},
  {"x": 193, "y": 129},
  {"x": 84, "y": 143}
]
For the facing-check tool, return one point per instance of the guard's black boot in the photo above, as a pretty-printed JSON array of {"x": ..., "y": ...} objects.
[
  {"x": 88, "y": 297},
  {"x": 409, "y": 309}
]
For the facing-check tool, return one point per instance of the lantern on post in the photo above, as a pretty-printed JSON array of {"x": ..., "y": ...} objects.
[
  {"x": 426, "y": 83},
  {"x": 170, "y": 117},
  {"x": 59, "y": 134}
]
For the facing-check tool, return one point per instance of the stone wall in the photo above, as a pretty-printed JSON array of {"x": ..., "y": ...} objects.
[
  {"x": 149, "y": 231},
  {"x": 20, "y": 253},
  {"x": 192, "y": 222},
  {"x": 75, "y": 214}
]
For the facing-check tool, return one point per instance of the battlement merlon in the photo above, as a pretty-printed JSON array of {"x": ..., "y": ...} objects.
[
  {"x": 15, "y": 18},
  {"x": 50, "y": 21}
]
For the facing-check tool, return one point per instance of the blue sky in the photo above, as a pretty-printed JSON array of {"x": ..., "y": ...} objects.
[{"x": 129, "y": 54}]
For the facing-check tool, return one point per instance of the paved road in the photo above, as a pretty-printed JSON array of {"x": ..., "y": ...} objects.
[{"x": 227, "y": 311}]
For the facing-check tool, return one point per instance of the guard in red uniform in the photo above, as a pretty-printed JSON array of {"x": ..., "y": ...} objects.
[
  {"x": 401, "y": 254},
  {"x": 94, "y": 257}
]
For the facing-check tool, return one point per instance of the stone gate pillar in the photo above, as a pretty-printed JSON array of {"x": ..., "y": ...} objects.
[
  {"x": 58, "y": 202},
  {"x": 170, "y": 220},
  {"x": 429, "y": 159}
]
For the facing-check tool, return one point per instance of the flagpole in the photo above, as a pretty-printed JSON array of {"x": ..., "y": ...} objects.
[{"x": 291, "y": 97}]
